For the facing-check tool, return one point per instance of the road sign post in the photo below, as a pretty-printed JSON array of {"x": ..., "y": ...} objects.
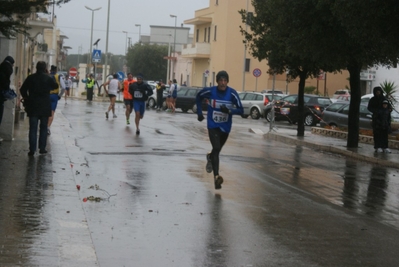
[
  {"x": 73, "y": 72},
  {"x": 256, "y": 72}
]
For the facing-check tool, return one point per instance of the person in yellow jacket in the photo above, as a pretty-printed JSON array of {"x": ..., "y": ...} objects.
[{"x": 89, "y": 81}]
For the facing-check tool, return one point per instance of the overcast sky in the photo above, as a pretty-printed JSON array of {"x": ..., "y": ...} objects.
[{"x": 74, "y": 20}]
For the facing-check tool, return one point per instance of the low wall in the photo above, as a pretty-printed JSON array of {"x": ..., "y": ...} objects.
[{"x": 343, "y": 135}]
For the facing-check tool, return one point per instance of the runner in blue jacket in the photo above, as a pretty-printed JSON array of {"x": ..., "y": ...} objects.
[{"x": 223, "y": 102}]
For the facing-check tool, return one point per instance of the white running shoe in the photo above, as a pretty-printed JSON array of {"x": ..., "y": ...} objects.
[
  {"x": 115, "y": 116},
  {"x": 380, "y": 150},
  {"x": 387, "y": 150}
]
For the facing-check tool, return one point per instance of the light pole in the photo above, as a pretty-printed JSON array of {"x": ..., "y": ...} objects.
[
  {"x": 106, "y": 47},
  {"x": 125, "y": 42},
  {"x": 174, "y": 45},
  {"x": 91, "y": 36},
  {"x": 139, "y": 25}
]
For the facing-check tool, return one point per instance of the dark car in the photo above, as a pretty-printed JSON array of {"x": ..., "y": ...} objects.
[
  {"x": 286, "y": 109},
  {"x": 336, "y": 115},
  {"x": 186, "y": 99}
]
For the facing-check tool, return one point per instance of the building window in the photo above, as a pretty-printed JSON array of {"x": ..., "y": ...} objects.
[
  {"x": 247, "y": 63},
  {"x": 205, "y": 35},
  {"x": 214, "y": 33},
  {"x": 209, "y": 34},
  {"x": 197, "y": 35}
]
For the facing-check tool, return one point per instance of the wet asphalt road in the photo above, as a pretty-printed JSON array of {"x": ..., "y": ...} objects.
[{"x": 280, "y": 205}]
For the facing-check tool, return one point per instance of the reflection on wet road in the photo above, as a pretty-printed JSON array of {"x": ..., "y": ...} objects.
[{"x": 281, "y": 205}]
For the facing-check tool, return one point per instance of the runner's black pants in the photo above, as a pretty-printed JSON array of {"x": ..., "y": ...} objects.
[{"x": 218, "y": 139}]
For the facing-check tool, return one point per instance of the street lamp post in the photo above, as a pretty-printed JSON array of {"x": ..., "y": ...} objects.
[
  {"x": 106, "y": 47},
  {"x": 139, "y": 25},
  {"x": 174, "y": 44},
  {"x": 91, "y": 36},
  {"x": 125, "y": 42}
]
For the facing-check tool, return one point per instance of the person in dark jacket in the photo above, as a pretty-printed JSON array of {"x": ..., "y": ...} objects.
[
  {"x": 374, "y": 105},
  {"x": 140, "y": 92},
  {"x": 36, "y": 94},
  {"x": 6, "y": 70},
  {"x": 382, "y": 127}
]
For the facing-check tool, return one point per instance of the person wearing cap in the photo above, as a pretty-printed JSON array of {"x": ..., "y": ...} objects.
[
  {"x": 6, "y": 70},
  {"x": 36, "y": 95},
  {"x": 223, "y": 102},
  {"x": 374, "y": 106},
  {"x": 140, "y": 92},
  {"x": 382, "y": 127}
]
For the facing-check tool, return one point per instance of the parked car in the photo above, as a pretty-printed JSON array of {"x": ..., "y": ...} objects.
[
  {"x": 287, "y": 109},
  {"x": 336, "y": 115},
  {"x": 342, "y": 92},
  {"x": 254, "y": 103},
  {"x": 186, "y": 99},
  {"x": 276, "y": 92}
]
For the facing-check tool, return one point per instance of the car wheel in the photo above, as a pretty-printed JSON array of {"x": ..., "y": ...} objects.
[
  {"x": 244, "y": 116},
  {"x": 333, "y": 125},
  {"x": 309, "y": 120},
  {"x": 255, "y": 114},
  {"x": 194, "y": 108},
  {"x": 151, "y": 102},
  {"x": 184, "y": 110},
  {"x": 268, "y": 115}
]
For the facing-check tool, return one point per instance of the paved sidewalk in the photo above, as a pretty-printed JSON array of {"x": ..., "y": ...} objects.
[{"x": 365, "y": 152}]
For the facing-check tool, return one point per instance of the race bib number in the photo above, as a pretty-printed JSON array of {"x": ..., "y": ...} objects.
[
  {"x": 138, "y": 94},
  {"x": 220, "y": 117}
]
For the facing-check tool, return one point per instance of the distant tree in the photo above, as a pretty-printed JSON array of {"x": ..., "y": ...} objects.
[
  {"x": 13, "y": 14},
  {"x": 277, "y": 34},
  {"x": 330, "y": 35},
  {"x": 310, "y": 89},
  {"x": 148, "y": 60}
]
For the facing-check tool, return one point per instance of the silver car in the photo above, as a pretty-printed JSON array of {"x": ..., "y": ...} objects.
[
  {"x": 336, "y": 115},
  {"x": 253, "y": 103}
]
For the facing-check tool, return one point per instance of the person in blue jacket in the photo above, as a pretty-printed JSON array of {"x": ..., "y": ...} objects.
[{"x": 223, "y": 102}]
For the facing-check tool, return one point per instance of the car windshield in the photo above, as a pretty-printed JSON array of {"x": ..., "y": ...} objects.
[{"x": 324, "y": 101}]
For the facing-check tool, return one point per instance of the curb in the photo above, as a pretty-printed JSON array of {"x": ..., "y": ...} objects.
[{"x": 332, "y": 149}]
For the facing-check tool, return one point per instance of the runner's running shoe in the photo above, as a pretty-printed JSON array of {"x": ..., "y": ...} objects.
[
  {"x": 218, "y": 182},
  {"x": 127, "y": 122},
  {"x": 106, "y": 115}
]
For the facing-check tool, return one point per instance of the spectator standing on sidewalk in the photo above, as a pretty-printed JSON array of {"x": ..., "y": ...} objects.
[
  {"x": 89, "y": 81},
  {"x": 225, "y": 103},
  {"x": 140, "y": 92},
  {"x": 113, "y": 89},
  {"x": 383, "y": 127},
  {"x": 6, "y": 70},
  {"x": 127, "y": 97},
  {"x": 160, "y": 88},
  {"x": 173, "y": 92},
  {"x": 36, "y": 94},
  {"x": 374, "y": 105}
]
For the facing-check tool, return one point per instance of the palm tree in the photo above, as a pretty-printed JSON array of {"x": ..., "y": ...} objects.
[{"x": 389, "y": 89}]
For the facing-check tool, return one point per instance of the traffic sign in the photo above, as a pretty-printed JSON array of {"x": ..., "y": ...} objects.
[
  {"x": 96, "y": 57},
  {"x": 257, "y": 72},
  {"x": 121, "y": 75},
  {"x": 73, "y": 72}
]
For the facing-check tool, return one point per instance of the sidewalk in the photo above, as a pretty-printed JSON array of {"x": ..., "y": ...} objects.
[{"x": 365, "y": 152}]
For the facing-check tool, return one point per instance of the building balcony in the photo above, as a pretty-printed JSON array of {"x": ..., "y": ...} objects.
[{"x": 197, "y": 50}]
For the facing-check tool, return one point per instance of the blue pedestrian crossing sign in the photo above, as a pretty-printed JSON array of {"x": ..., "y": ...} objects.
[{"x": 96, "y": 57}]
